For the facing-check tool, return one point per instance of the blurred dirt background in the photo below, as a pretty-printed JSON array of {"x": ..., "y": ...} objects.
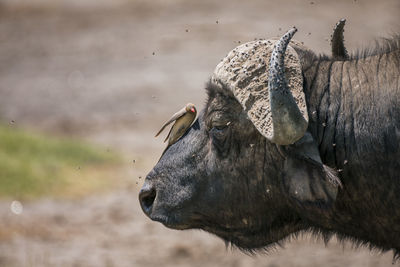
[{"x": 110, "y": 72}]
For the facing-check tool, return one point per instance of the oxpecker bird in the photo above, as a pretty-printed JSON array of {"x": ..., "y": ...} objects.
[{"x": 183, "y": 120}]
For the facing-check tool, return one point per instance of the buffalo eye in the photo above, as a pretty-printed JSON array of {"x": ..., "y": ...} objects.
[
  {"x": 219, "y": 135},
  {"x": 219, "y": 131},
  {"x": 219, "y": 128}
]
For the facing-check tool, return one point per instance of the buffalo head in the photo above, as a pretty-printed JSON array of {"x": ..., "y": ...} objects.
[{"x": 248, "y": 166}]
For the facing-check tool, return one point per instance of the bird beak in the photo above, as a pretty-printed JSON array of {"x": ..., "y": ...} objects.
[{"x": 192, "y": 110}]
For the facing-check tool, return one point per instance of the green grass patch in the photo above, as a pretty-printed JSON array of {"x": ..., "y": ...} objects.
[{"x": 34, "y": 165}]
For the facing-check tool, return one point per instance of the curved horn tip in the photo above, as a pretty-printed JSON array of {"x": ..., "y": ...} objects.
[
  {"x": 341, "y": 21},
  {"x": 340, "y": 25},
  {"x": 277, "y": 59},
  {"x": 289, "y": 34},
  {"x": 285, "y": 39}
]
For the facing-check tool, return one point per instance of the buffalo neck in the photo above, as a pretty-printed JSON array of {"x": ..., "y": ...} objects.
[{"x": 354, "y": 116}]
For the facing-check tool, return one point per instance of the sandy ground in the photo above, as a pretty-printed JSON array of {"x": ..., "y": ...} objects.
[{"x": 111, "y": 72}]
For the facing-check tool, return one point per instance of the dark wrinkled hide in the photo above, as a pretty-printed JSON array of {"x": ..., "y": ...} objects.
[{"x": 226, "y": 178}]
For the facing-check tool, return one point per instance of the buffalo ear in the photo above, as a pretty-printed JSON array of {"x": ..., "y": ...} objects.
[{"x": 306, "y": 180}]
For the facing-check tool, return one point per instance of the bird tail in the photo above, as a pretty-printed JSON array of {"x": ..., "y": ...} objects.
[{"x": 169, "y": 133}]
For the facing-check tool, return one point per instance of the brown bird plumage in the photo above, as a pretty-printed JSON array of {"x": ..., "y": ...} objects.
[{"x": 183, "y": 120}]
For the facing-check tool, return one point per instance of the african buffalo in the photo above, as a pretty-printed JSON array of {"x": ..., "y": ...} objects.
[{"x": 289, "y": 142}]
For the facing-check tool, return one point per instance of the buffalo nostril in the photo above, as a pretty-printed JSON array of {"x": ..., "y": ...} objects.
[{"x": 146, "y": 198}]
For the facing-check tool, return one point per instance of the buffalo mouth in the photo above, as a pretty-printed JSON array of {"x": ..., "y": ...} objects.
[
  {"x": 170, "y": 222},
  {"x": 245, "y": 237},
  {"x": 242, "y": 238},
  {"x": 250, "y": 237}
]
